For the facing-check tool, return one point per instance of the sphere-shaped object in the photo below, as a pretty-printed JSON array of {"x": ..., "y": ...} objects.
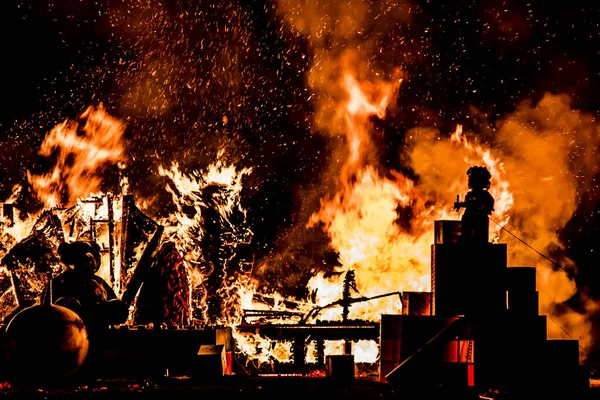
[{"x": 45, "y": 342}]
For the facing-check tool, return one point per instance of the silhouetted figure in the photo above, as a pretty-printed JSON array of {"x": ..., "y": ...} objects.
[
  {"x": 212, "y": 246},
  {"x": 349, "y": 288},
  {"x": 478, "y": 204},
  {"x": 81, "y": 290}
]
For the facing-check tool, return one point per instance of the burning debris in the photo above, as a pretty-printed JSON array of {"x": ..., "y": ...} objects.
[
  {"x": 190, "y": 269},
  {"x": 209, "y": 230},
  {"x": 31, "y": 262}
]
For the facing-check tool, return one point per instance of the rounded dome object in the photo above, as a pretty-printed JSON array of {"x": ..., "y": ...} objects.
[{"x": 45, "y": 342}]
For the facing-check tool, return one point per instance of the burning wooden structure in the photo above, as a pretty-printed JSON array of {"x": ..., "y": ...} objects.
[
  {"x": 144, "y": 268},
  {"x": 478, "y": 327}
]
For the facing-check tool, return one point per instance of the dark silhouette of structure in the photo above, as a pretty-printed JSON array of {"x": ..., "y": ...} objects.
[
  {"x": 89, "y": 296},
  {"x": 478, "y": 205},
  {"x": 349, "y": 288},
  {"x": 73, "y": 330},
  {"x": 483, "y": 330},
  {"x": 212, "y": 244}
]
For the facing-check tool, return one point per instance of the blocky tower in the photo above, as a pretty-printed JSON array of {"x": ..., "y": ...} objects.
[{"x": 483, "y": 329}]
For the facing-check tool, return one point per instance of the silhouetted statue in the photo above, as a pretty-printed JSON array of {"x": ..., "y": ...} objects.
[
  {"x": 478, "y": 204},
  {"x": 81, "y": 290},
  {"x": 212, "y": 244}
]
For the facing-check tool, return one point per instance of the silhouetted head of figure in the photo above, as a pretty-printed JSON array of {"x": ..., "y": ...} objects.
[
  {"x": 83, "y": 256},
  {"x": 479, "y": 178}
]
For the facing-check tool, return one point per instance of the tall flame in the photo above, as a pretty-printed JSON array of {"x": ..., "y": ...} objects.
[{"x": 361, "y": 218}]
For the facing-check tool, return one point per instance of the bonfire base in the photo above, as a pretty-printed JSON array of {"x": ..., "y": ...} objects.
[{"x": 265, "y": 388}]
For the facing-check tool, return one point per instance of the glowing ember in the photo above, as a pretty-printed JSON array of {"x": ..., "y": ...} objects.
[{"x": 260, "y": 350}]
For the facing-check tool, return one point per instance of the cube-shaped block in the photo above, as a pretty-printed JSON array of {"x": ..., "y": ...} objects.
[
  {"x": 416, "y": 303},
  {"x": 468, "y": 279},
  {"x": 340, "y": 366},
  {"x": 211, "y": 361}
]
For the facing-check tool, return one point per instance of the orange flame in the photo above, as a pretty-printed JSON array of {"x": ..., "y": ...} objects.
[
  {"x": 81, "y": 154},
  {"x": 361, "y": 218},
  {"x": 531, "y": 162},
  {"x": 365, "y": 100},
  {"x": 15, "y": 227},
  {"x": 261, "y": 350},
  {"x": 364, "y": 351}
]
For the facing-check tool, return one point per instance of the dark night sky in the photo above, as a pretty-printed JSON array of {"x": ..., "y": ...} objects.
[{"x": 61, "y": 56}]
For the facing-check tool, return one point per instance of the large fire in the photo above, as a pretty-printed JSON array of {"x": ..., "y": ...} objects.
[{"x": 378, "y": 220}]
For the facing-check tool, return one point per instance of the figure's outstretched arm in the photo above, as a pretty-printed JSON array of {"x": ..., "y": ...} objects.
[{"x": 459, "y": 204}]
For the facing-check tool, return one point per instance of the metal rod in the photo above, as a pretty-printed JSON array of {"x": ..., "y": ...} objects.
[
  {"x": 315, "y": 311},
  {"x": 111, "y": 229},
  {"x": 143, "y": 266},
  {"x": 92, "y": 229},
  {"x": 126, "y": 205}
]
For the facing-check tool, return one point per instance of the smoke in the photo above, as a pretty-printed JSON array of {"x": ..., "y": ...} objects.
[
  {"x": 550, "y": 155},
  {"x": 346, "y": 36}
]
